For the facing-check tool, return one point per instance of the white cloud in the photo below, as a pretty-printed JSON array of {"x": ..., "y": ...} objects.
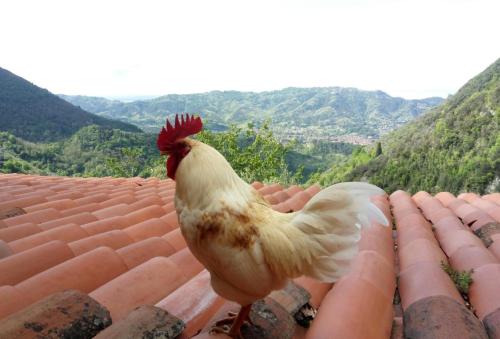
[{"x": 112, "y": 48}]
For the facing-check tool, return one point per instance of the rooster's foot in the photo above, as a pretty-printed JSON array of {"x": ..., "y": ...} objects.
[{"x": 232, "y": 323}]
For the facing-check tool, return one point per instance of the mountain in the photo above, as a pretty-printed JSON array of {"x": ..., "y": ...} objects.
[
  {"x": 454, "y": 147},
  {"x": 300, "y": 112},
  {"x": 35, "y": 114}
]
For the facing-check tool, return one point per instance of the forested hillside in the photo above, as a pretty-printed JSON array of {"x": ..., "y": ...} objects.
[
  {"x": 35, "y": 114},
  {"x": 324, "y": 112},
  {"x": 454, "y": 147}
]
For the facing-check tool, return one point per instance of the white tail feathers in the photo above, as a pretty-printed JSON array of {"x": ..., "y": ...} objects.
[{"x": 333, "y": 218}]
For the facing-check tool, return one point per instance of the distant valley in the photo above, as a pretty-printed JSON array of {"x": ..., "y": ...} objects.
[{"x": 332, "y": 114}]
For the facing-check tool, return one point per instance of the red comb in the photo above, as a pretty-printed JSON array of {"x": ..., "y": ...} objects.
[{"x": 181, "y": 129}]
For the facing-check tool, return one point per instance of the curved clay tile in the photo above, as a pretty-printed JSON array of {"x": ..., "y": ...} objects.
[
  {"x": 114, "y": 239},
  {"x": 411, "y": 233},
  {"x": 413, "y": 219},
  {"x": 281, "y": 196},
  {"x": 283, "y": 207},
  {"x": 186, "y": 262},
  {"x": 139, "y": 252},
  {"x": 18, "y": 231},
  {"x": 24, "y": 265},
  {"x": 195, "y": 303},
  {"x": 175, "y": 239},
  {"x": 353, "y": 309},
  {"x": 145, "y": 284},
  {"x": 91, "y": 207},
  {"x": 297, "y": 201},
  {"x": 471, "y": 257},
  {"x": 447, "y": 224},
  {"x": 154, "y": 227},
  {"x": 441, "y": 213},
  {"x": 171, "y": 219},
  {"x": 66, "y": 233},
  {"x": 140, "y": 215},
  {"x": 5, "y": 250},
  {"x": 420, "y": 250},
  {"x": 147, "y": 201},
  {"x": 12, "y": 301},
  {"x": 429, "y": 206},
  {"x": 92, "y": 198},
  {"x": 122, "y": 199},
  {"x": 377, "y": 239},
  {"x": 317, "y": 289},
  {"x": 61, "y": 204},
  {"x": 495, "y": 197},
  {"x": 112, "y": 211},
  {"x": 401, "y": 211},
  {"x": 420, "y": 196},
  {"x": 271, "y": 199},
  {"x": 36, "y": 217},
  {"x": 495, "y": 248},
  {"x": 484, "y": 292},
  {"x": 469, "y": 197},
  {"x": 85, "y": 273},
  {"x": 313, "y": 189},
  {"x": 79, "y": 219},
  {"x": 270, "y": 189},
  {"x": 483, "y": 221},
  {"x": 425, "y": 279},
  {"x": 292, "y": 190},
  {"x": 257, "y": 184},
  {"x": 445, "y": 197},
  {"x": 372, "y": 267},
  {"x": 101, "y": 226},
  {"x": 169, "y": 207},
  {"x": 70, "y": 195},
  {"x": 452, "y": 241}
]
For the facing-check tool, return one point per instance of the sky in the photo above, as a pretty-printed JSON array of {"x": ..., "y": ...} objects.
[{"x": 407, "y": 48}]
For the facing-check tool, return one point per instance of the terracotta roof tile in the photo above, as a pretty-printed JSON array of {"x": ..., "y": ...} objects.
[
  {"x": 171, "y": 219},
  {"x": 316, "y": 289},
  {"x": 141, "y": 251},
  {"x": 270, "y": 189},
  {"x": 298, "y": 200},
  {"x": 143, "y": 214},
  {"x": 425, "y": 279},
  {"x": 354, "y": 308},
  {"x": 5, "y": 250},
  {"x": 36, "y": 217},
  {"x": 257, "y": 185},
  {"x": 114, "y": 239},
  {"x": 66, "y": 233},
  {"x": 186, "y": 262},
  {"x": 85, "y": 273},
  {"x": 18, "y": 231},
  {"x": 195, "y": 303},
  {"x": 108, "y": 224},
  {"x": 145, "y": 284},
  {"x": 21, "y": 266},
  {"x": 130, "y": 228},
  {"x": 79, "y": 219},
  {"x": 12, "y": 299},
  {"x": 485, "y": 290},
  {"x": 175, "y": 239}
]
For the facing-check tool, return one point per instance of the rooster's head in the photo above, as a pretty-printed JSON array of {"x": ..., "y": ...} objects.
[{"x": 172, "y": 140}]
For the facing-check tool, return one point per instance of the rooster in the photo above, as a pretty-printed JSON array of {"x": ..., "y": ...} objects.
[{"x": 248, "y": 248}]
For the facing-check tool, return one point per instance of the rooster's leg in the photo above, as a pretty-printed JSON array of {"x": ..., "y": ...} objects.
[{"x": 236, "y": 321}]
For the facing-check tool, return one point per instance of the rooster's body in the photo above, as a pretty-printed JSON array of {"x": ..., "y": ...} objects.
[{"x": 250, "y": 249}]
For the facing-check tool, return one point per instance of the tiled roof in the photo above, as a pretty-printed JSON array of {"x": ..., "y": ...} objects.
[{"x": 117, "y": 241}]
